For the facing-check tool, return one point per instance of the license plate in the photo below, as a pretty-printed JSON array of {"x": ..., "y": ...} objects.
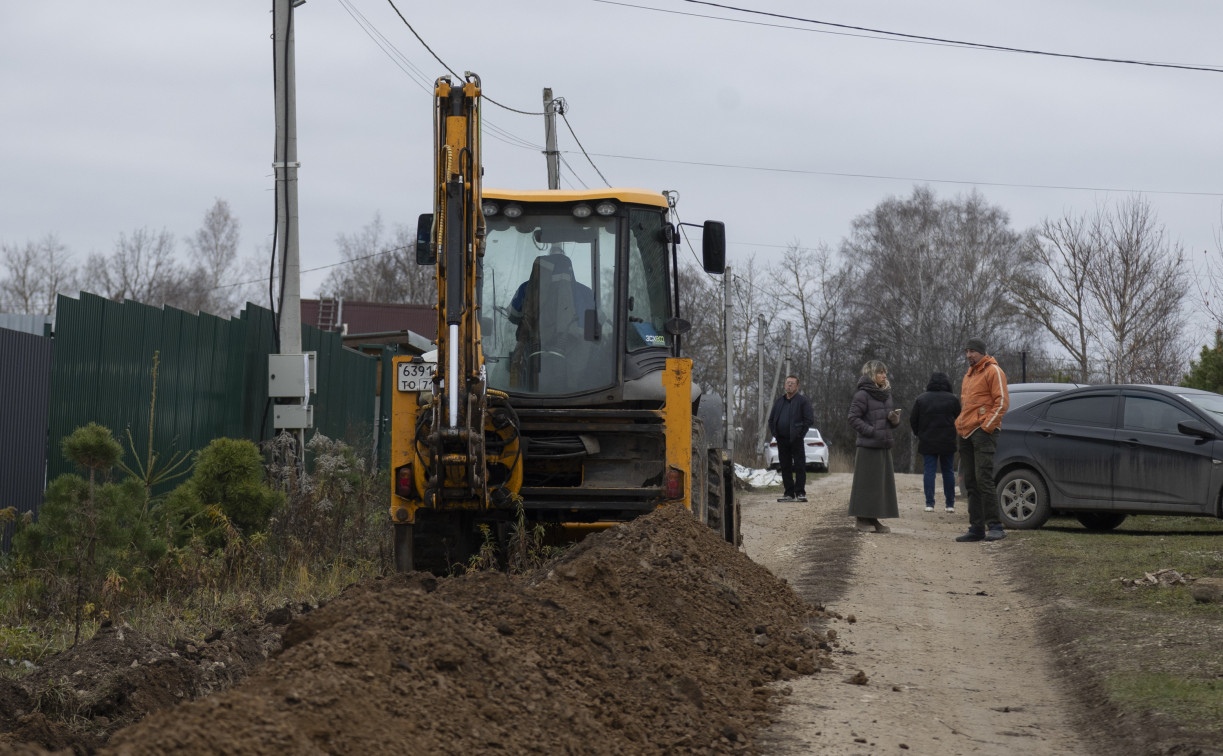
[{"x": 415, "y": 376}]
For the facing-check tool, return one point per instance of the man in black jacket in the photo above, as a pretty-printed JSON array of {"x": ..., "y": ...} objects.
[
  {"x": 789, "y": 421},
  {"x": 933, "y": 422}
]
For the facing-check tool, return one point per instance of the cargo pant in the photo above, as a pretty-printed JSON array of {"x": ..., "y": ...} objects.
[{"x": 977, "y": 464}]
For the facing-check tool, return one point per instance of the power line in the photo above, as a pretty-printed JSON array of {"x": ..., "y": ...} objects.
[
  {"x": 958, "y": 43},
  {"x": 882, "y": 177},
  {"x": 583, "y": 149},
  {"x": 448, "y": 68},
  {"x": 517, "y": 140},
  {"x": 321, "y": 267}
]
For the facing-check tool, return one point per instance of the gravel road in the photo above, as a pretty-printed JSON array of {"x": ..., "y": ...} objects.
[{"x": 947, "y": 644}]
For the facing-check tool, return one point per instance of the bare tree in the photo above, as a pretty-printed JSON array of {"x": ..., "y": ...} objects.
[
  {"x": 1109, "y": 288},
  {"x": 381, "y": 268},
  {"x": 1139, "y": 283},
  {"x": 215, "y": 265},
  {"x": 926, "y": 276},
  {"x": 36, "y": 273},
  {"x": 141, "y": 268},
  {"x": 808, "y": 288},
  {"x": 1210, "y": 284},
  {"x": 1054, "y": 290},
  {"x": 700, "y": 303}
]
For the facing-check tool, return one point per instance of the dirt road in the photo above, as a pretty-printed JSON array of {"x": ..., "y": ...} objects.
[{"x": 948, "y": 646}]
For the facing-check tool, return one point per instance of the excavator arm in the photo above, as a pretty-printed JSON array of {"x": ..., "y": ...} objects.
[{"x": 462, "y": 452}]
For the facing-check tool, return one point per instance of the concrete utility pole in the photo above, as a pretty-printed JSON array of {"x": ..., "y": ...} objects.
[
  {"x": 286, "y": 176},
  {"x": 761, "y": 417},
  {"x": 729, "y": 431},
  {"x": 554, "y": 168},
  {"x": 292, "y": 375},
  {"x": 761, "y": 332}
]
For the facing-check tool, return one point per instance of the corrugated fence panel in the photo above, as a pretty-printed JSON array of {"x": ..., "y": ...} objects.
[
  {"x": 25, "y": 371},
  {"x": 211, "y": 380},
  {"x": 344, "y": 402}
]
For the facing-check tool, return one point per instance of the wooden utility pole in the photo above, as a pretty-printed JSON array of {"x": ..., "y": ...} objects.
[{"x": 554, "y": 169}]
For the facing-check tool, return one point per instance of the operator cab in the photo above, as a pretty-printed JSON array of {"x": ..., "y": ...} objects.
[{"x": 576, "y": 293}]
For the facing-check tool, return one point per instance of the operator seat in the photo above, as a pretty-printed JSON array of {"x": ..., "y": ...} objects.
[{"x": 549, "y": 328}]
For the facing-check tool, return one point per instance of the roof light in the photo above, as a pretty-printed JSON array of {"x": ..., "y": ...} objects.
[
  {"x": 513, "y": 211},
  {"x": 606, "y": 208},
  {"x": 581, "y": 211},
  {"x": 490, "y": 208}
]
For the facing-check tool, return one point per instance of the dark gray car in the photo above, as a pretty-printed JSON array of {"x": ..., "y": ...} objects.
[{"x": 1105, "y": 452}]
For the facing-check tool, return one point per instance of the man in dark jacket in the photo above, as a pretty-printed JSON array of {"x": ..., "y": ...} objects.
[
  {"x": 789, "y": 421},
  {"x": 933, "y": 422}
]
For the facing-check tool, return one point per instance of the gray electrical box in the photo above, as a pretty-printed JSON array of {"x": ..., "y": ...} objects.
[
  {"x": 292, "y": 416},
  {"x": 292, "y": 376}
]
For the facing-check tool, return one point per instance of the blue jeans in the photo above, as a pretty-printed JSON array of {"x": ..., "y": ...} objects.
[{"x": 939, "y": 462}]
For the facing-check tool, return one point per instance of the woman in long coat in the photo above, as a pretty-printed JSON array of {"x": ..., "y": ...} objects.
[{"x": 872, "y": 417}]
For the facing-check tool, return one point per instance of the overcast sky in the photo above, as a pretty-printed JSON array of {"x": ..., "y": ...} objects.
[{"x": 117, "y": 116}]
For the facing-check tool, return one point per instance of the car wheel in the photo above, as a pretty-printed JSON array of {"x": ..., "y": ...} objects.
[
  {"x": 1100, "y": 521},
  {"x": 1023, "y": 500}
]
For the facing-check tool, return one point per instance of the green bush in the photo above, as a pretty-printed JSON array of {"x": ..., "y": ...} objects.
[{"x": 228, "y": 480}]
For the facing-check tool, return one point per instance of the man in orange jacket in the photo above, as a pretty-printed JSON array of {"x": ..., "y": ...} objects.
[{"x": 983, "y": 402}]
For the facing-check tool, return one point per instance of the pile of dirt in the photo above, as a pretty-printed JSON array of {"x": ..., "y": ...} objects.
[
  {"x": 655, "y": 636},
  {"x": 79, "y": 698}
]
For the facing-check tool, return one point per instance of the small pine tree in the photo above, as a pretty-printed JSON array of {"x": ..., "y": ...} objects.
[
  {"x": 1207, "y": 372},
  {"x": 228, "y": 476},
  {"x": 90, "y": 527}
]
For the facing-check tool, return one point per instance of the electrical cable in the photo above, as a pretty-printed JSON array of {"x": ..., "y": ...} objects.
[
  {"x": 451, "y": 70},
  {"x": 583, "y": 149},
  {"x": 321, "y": 267},
  {"x": 959, "y": 43},
  {"x": 906, "y": 178}
]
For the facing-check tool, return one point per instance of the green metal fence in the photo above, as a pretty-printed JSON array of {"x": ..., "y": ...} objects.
[{"x": 211, "y": 378}]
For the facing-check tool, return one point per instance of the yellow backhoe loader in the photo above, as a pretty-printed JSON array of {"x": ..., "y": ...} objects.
[{"x": 559, "y": 394}]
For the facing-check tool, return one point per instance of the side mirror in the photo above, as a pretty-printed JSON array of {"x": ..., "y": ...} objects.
[
  {"x": 1196, "y": 428},
  {"x": 713, "y": 247},
  {"x": 425, "y": 253},
  {"x": 677, "y": 326}
]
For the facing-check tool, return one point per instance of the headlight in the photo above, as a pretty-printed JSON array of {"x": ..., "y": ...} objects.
[
  {"x": 606, "y": 208},
  {"x": 581, "y": 211},
  {"x": 513, "y": 211},
  {"x": 489, "y": 208}
]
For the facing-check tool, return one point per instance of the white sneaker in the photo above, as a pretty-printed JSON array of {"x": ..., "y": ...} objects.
[
  {"x": 950, "y": 510},
  {"x": 929, "y": 509}
]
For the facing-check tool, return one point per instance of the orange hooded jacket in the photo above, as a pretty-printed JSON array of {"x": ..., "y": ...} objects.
[{"x": 983, "y": 398}]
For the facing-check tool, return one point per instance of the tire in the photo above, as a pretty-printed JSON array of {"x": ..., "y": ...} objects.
[
  {"x": 699, "y": 498},
  {"x": 715, "y": 487},
  {"x": 1100, "y": 522},
  {"x": 1023, "y": 500}
]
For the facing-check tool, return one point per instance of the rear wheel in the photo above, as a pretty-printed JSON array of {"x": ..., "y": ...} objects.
[
  {"x": 700, "y": 481},
  {"x": 1100, "y": 521},
  {"x": 1023, "y": 500}
]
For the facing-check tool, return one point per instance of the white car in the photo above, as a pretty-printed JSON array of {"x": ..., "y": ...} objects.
[{"x": 817, "y": 452}]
